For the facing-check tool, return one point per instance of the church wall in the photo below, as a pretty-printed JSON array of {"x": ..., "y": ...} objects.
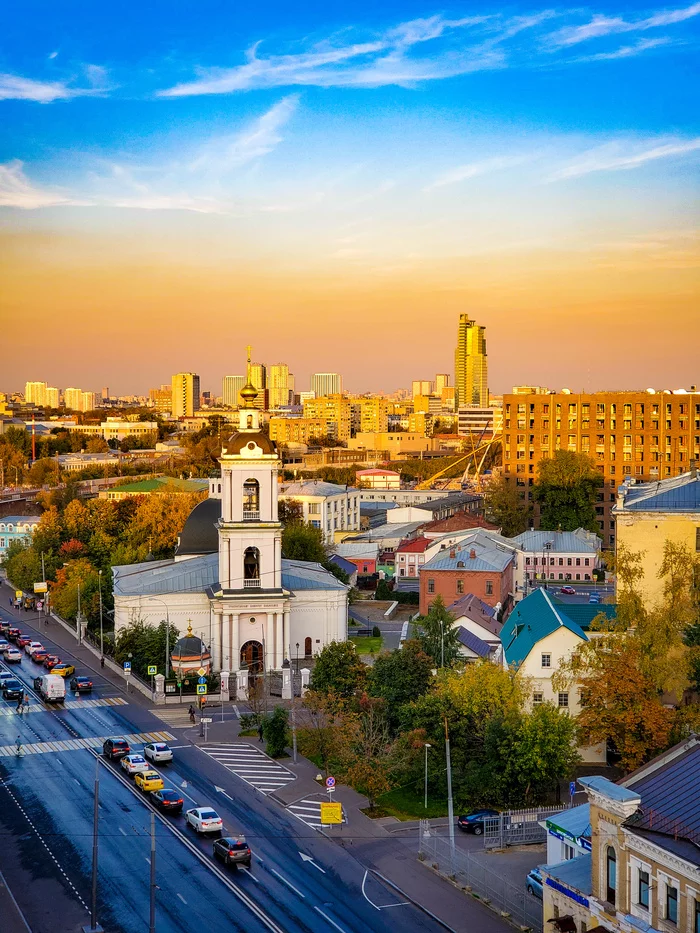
[
  {"x": 320, "y": 615},
  {"x": 181, "y": 608}
]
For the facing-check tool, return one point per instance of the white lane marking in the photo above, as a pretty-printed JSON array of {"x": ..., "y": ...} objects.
[
  {"x": 326, "y": 917},
  {"x": 249, "y": 873},
  {"x": 181, "y": 898},
  {"x": 288, "y": 883},
  {"x": 122, "y": 831},
  {"x": 308, "y": 858},
  {"x": 364, "y": 893}
]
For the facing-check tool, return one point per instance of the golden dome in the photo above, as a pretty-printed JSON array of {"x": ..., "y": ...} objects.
[{"x": 248, "y": 393}]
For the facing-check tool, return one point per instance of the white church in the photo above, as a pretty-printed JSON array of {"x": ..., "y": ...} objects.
[{"x": 251, "y": 608}]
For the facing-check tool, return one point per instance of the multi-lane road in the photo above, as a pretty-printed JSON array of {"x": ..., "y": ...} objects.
[{"x": 298, "y": 880}]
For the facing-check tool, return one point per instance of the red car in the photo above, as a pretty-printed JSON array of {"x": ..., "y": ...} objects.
[
  {"x": 23, "y": 640},
  {"x": 51, "y": 661}
]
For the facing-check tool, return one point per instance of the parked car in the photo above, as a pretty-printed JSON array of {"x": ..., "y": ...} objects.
[
  {"x": 158, "y": 751},
  {"x": 51, "y": 660},
  {"x": 80, "y": 684},
  {"x": 474, "y": 822},
  {"x": 63, "y": 669},
  {"x": 148, "y": 781},
  {"x": 168, "y": 800},
  {"x": 12, "y": 690},
  {"x": 115, "y": 748},
  {"x": 567, "y": 590},
  {"x": 233, "y": 850},
  {"x": 204, "y": 820},
  {"x": 13, "y": 656},
  {"x": 533, "y": 883},
  {"x": 133, "y": 763}
]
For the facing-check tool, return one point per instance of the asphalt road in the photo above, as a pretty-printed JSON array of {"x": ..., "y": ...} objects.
[{"x": 46, "y": 805}]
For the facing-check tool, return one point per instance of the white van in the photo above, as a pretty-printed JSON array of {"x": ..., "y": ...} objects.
[{"x": 52, "y": 688}]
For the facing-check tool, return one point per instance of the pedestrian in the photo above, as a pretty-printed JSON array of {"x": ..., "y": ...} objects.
[
  {"x": 102, "y": 661},
  {"x": 260, "y": 732},
  {"x": 26, "y": 703},
  {"x": 19, "y": 703},
  {"x": 18, "y": 745},
  {"x": 191, "y": 711}
]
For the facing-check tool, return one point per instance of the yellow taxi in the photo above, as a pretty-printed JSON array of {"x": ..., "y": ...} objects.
[
  {"x": 63, "y": 669},
  {"x": 148, "y": 781}
]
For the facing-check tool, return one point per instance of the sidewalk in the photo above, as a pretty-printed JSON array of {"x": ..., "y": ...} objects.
[{"x": 13, "y": 920}]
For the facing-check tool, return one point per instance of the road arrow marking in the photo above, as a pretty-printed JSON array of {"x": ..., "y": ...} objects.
[
  {"x": 307, "y": 858},
  {"x": 220, "y": 790}
]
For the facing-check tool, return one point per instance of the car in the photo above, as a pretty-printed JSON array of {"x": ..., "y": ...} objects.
[
  {"x": 4, "y": 645},
  {"x": 13, "y": 656},
  {"x": 12, "y": 690},
  {"x": 474, "y": 822},
  {"x": 22, "y": 639},
  {"x": 233, "y": 850},
  {"x": 133, "y": 763},
  {"x": 63, "y": 669},
  {"x": 81, "y": 685},
  {"x": 158, "y": 751},
  {"x": 204, "y": 820},
  {"x": 39, "y": 656},
  {"x": 51, "y": 660},
  {"x": 568, "y": 590},
  {"x": 533, "y": 883},
  {"x": 148, "y": 781},
  {"x": 6, "y": 675},
  {"x": 13, "y": 632},
  {"x": 168, "y": 800},
  {"x": 4, "y": 626},
  {"x": 115, "y": 748},
  {"x": 31, "y": 645},
  {"x": 595, "y": 598}
]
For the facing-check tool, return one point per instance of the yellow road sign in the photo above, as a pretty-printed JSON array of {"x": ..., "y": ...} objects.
[
  {"x": 331, "y": 813},
  {"x": 41, "y": 587},
  {"x": 201, "y": 672}
]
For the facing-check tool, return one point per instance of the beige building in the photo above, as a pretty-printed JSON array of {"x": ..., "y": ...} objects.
[
  {"x": 299, "y": 430},
  {"x": 397, "y": 442},
  {"x": 374, "y": 415},
  {"x": 79, "y": 400},
  {"x": 279, "y": 384},
  {"x": 649, "y": 514},
  {"x": 115, "y": 429},
  {"x": 185, "y": 395},
  {"x": 331, "y": 408},
  {"x": 471, "y": 364},
  {"x": 161, "y": 399}
]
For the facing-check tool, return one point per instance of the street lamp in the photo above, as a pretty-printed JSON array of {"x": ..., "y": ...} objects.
[
  {"x": 425, "y": 783},
  {"x": 297, "y": 658},
  {"x": 102, "y": 644}
]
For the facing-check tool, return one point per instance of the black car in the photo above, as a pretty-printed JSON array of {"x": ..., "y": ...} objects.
[
  {"x": 115, "y": 748},
  {"x": 37, "y": 683},
  {"x": 233, "y": 850},
  {"x": 168, "y": 800},
  {"x": 81, "y": 685},
  {"x": 12, "y": 690},
  {"x": 474, "y": 822}
]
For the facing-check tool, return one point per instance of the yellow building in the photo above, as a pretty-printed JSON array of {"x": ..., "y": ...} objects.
[
  {"x": 420, "y": 422},
  {"x": 374, "y": 415},
  {"x": 649, "y": 514},
  {"x": 335, "y": 408},
  {"x": 185, "y": 395},
  {"x": 298, "y": 430},
  {"x": 397, "y": 443}
]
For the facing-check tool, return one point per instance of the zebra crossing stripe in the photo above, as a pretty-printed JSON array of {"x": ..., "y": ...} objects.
[
  {"x": 71, "y": 745},
  {"x": 251, "y": 765}
]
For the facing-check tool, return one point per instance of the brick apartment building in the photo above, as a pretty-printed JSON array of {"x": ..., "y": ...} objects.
[
  {"x": 645, "y": 435},
  {"x": 483, "y": 569}
]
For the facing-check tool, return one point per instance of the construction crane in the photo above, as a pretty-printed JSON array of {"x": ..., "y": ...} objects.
[{"x": 428, "y": 483}]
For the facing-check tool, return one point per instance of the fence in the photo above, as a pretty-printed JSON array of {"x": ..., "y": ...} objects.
[
  {"x": 470, "y": 873},
  {"x": 517, "y": 827}
]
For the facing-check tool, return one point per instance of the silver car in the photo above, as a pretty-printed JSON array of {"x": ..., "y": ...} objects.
[{"x": 158, "y": 751}]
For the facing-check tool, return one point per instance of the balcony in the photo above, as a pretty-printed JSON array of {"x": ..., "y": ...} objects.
[
  {"x": 251, "y": 584},
  {"x": 251, "y": 516}
]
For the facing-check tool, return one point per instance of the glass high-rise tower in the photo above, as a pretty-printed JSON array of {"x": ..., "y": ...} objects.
[{"x": 471, "y": 365}]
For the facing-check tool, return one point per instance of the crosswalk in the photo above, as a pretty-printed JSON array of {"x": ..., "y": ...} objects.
[
  {"x": 252, "y": 765},
  {"x": 75, "y": 745},
  {"x": 308, "y": 810},
  {"x": 35, "y": 707},
  {"x": 177, "y": 717}
]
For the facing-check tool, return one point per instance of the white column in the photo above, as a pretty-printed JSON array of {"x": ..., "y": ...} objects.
[
  {"x": 235, "y": 643},
  {"x": 279, "y": 642},
  {"x": 270, "y": 642},
  {"x": 225, "y": 636},
  {"x": 287, "y": 634}
]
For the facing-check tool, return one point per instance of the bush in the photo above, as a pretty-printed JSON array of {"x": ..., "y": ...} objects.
[
  {"x": 383, "y": 591},
  {"x": 406, "y": 599},
  {"x": 275, "y": 732},
  {"x": 376, "y": 632}
]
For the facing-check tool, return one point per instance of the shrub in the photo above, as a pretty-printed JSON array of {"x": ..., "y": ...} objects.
[
  {"x": 275, "y": 732},
  {"x": 376, "y": 632}
]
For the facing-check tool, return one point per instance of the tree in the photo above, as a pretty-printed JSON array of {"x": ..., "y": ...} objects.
[
  {"x": 370, "y": 771},
  {"x": 338, "y": 671},
  {"x": 159, "y": 519},
  {"x": 43, "y": 472},
  {"x": 326, "y": 731},
  {"x": 302, "y": 541},
  {"x": 48, "y": 534},
  {"x": 275, "y": 732},
  {"x": 144, "y": 644},
  {"x": 23, "y": 566},
  {"x": 503, "y": 507},
  {"x": 289, "y": 511},
  {"x": 97, "y": 445},
  {"x": 566, "y": 490},
  {"x": 400, "y": 676},
  {"x": 77, "y": 581},
  {"x": 438, "y": 637}
]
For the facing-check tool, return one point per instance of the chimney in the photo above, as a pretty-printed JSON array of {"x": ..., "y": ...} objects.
[
  {"x": 472, "y": 554},
  {"x": 452, "y": 552}
]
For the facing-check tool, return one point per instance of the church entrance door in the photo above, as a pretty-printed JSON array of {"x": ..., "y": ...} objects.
[{"x": 252, "y": 657}]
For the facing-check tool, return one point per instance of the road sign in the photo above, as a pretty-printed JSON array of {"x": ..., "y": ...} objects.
[
  {"x": 18, "y": 594},
  {"x": 201, "y": 689},
  {"x": 330, "y": 781},
  {"x": 41, "y": 587},
  {"x": 201, "y": 672},
  {"x": 331, "y": 813},
  {"x": 127, "y": 666},
  {"x": 572, "y": 788},
  {"x": 152, "y": 669},
  {"x": 204, "y": 719},
  {"x": 202, "y": 680}
]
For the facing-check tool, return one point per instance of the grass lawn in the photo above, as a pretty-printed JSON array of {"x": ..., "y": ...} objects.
[
  {"x": 368, "y": 645},
  {"x": 405, "y": 804}
]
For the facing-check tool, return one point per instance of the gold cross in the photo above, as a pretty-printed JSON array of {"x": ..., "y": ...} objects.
[{"x": 249, "y": 348}]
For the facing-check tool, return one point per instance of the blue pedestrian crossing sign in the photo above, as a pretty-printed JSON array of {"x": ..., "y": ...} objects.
[
  {"x": 572, "y": 788},
  {"x": 202, "y": 680},
  {"x": 201, "y": 689}
]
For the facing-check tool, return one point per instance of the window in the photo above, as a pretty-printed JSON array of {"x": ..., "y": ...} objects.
[
  {"x": 610, "y": 875},
  {"x": 696, "y": 918},
  {"x": 569, "y": 853},
  {"x": 671, "y": 904},
  {"x": 2, "y": 543},
  {"x": 460, "y": 586},
  {"x": 564, "y": 700},
  {"x": 314, "y": 508},
  {"x": 643, "y": 893},
  {"x": 546, "y": 660},
  {"x": 431, "y": 586},
  {"x": 537, "y": 698},
  {"x": 251, "y": 499},
  {"x": 489, "y": 588}
]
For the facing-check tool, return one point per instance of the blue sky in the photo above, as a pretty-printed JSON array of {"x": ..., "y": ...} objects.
[{"x": 364, "y": 140}]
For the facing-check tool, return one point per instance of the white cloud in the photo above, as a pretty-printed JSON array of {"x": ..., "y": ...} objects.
[
  {"x": 612, "y": 157},
  {"x": 17, "y": 191},
  {"x": 626, "y": 51},
  {"x": 15, "y": 87},
  {"x": 601, "y": 26},
  {"x": 474, "y": 169}
]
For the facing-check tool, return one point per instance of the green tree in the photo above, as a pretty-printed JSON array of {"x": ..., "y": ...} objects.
[
  {"x": 338, "y": 671},
  {"x": 302, "y": 541},
  {"x": 504, "y": 507},
  {"x": 437, "y": 635},
  {"x": 275, "y": 727},
  {"x": 23, "y": 566},
  {"x": 76, "y": 581},
  {"x": 43, "y": 472},
  {"x": 400, "y": 676},
  {"x": 144, "y": 644},
  {"x": 566, "y": 490},
  {"x": 48, "y": 534},
  {"x": 289, "y": 511}
]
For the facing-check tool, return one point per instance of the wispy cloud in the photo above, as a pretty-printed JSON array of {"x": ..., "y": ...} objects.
[
  {"x": 474, "y": 169},
  {"x": 16, "y": 87},
  {"x": 612, "y": 157},
  {"x": 626, "y": 51},
  {"x": 601, "y": 25},
  {"x": 17, "y": 191}
]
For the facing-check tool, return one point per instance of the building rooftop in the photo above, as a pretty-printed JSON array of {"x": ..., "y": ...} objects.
[
  {"x": 377, "y": 473},
  {"x": 315, "y": 488},
  {"x": 568, "y": 542},
  {"x": 413, "y": 545},
  {"x": 608, "y": 788},
  {"x": 487, "y": 558},
  {"x": 676, "y": 494},
  {"x": 346, "y": 565},
  {"x": 462, "y": 521},
  {"x": 200, "y": 534},
  {"x": 20, "y": 520},
  {"x": 533, "y": 619},
  {"x": 471, "y": 607},
  {"x": 362, "y": 549},
  {"x": 162, "y": 484},
  {"x": 575, "y": 821},
  {"x": 573, "y": 873},
  {"x": 480, "y": 648}
]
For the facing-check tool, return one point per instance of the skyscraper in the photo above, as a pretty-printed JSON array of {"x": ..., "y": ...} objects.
[
  {"x": 471, "y": 365},
  {"x": 442, "y": 381},
  {"x": 258, "y": 375},
  {"x": 35, "y": 393},
  {"x": 279, "y": 385},
  {"x": 185, "y": 390},
  {"x": 326, "y": 384},
  {"x": 232, "y": 385}
]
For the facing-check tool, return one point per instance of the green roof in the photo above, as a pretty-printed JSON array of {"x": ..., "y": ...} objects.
[
  {"x": 160, "y": 482},
  {"x": 533, "y": 619}
]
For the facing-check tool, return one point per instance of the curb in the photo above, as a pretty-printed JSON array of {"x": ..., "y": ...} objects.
[{"x": 415, "y": 903}]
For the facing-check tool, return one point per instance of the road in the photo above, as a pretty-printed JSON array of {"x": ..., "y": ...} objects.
[{"x": 299, "y": 880}]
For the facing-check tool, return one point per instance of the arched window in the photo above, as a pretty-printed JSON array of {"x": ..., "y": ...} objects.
[
  {"x": 251, "y": 500},
  {"x": 307, "y": 648},
  {"x": 610, "y": 875},
  {"x": 249, "y": 421},
  {"x": 251, "y": 567}
]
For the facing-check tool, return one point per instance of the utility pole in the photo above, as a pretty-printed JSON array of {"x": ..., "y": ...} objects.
[
  {"x": 450, "y": 810},
  {"x": 427, "y": 746},
  {"x": 152, "y": 916},
  {"x": 102, "y": 646},
  {"x": 94, "y": 925},
  {"x": 79, "y": 620}
]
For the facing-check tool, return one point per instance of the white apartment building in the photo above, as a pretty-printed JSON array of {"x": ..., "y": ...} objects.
[
  {"x": 323, "y": 384},
  {"x": 326, "y": 506}
]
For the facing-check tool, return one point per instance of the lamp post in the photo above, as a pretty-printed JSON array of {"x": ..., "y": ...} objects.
[
  {"x": 425, "y": 783},
  {"x": 94, "y": 925},
  {"x": 450, "y": 810},
  {"x": 297, "y": 658},
  {"x": 102, "y": 644}
]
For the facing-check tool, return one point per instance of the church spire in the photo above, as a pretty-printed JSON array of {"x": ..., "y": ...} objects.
[{"x": 248, "y": 393}]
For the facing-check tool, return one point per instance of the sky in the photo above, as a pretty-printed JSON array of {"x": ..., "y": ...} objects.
[{"x": 334, "y": 184}]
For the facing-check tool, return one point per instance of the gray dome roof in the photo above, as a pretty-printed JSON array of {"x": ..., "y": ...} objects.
[
  {"x": 189, "y": 646},
  {"x": 199, "y": 535}
]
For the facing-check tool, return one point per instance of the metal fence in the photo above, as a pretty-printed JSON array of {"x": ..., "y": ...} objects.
[
  {"x": 517, "y": 827},
  {"x": 469, "y": 872}
]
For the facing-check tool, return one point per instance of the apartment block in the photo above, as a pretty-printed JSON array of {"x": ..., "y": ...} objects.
[
  {"x": 333, "y": 408},
  {"x": 374, "y": 415},
  {"x": 646, "y": 435},
  {"x": 161, "y": 399},
  {"x": 185, "y": 395},
  {"x": 299, "y": 430}
]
